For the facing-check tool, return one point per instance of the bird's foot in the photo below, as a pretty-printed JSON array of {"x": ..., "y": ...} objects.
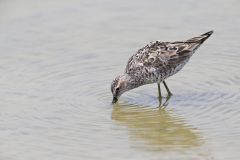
[{"x": 165, "y": 104}]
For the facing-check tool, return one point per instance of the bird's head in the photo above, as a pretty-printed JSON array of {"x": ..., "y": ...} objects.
[{"x": 120, "y": 85}]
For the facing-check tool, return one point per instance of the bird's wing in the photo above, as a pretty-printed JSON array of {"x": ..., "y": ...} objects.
[
  {"x": 163, "y": 55},
  {"x": 157, "y": 55}
]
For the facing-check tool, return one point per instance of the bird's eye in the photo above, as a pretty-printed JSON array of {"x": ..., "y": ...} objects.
[{"x": 117, "y": 89}]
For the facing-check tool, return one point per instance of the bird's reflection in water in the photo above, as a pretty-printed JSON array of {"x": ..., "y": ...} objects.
[{"x": 155, "y": 129}]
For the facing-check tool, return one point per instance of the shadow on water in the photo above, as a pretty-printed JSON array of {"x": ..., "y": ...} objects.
[{"x": 156, "y": 129}]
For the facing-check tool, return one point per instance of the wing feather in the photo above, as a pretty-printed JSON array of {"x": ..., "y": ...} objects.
[{"x": 158, "y": 56}]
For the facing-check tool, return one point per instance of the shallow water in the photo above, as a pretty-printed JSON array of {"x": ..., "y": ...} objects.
[{"x": 58, "y": 58}]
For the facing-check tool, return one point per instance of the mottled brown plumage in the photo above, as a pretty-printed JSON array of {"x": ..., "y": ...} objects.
[{"x": 155, "y": 62}]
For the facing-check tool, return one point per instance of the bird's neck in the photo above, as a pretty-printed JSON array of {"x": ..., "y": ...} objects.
[{"x": 134, "y": 82}]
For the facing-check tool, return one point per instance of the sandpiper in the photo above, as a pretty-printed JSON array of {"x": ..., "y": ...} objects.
[{"x": 154, "y": 63}]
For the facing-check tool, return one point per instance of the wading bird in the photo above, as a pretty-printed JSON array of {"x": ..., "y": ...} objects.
[{"x": 154, "y": 63}]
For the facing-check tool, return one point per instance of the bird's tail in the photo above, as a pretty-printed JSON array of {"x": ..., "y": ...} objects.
[
  {"x": 195, "y": 42},
  {"x": 201, "y": 38},
  {"x": 207, "y": 34}
]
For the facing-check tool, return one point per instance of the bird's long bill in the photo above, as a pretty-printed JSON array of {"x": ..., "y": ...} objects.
[{"x": 114, "y": 100}]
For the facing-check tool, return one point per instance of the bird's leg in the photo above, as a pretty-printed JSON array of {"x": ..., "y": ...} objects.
[
  {"x": 159, "y": 95},
  {"x": 168, "y": 96},
  {"x": 169, "y": 93},
  {"x": 166, "y": 102}
]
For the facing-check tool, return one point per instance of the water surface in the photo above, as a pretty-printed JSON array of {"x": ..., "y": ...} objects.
[{"x": 58, "y": 58}]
